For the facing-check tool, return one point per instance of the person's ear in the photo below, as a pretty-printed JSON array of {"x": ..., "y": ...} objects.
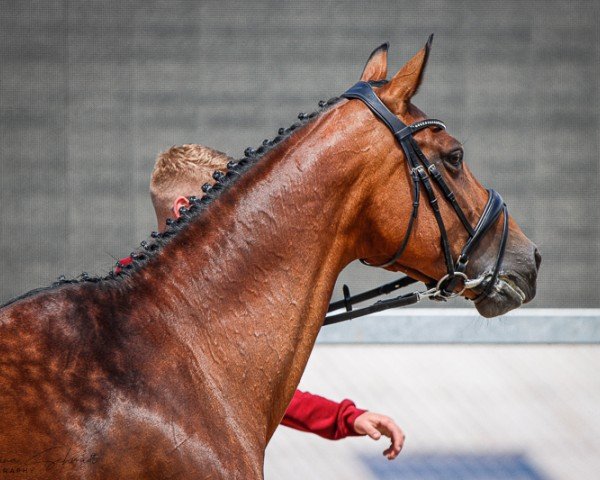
[{"x": 178, "y": 203}]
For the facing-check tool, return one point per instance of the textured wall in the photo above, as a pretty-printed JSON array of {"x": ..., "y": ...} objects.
[{"x": 91, "y": 91}]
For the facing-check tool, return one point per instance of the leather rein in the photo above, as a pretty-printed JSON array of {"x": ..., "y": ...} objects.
[{"x": 422, "y": 171}]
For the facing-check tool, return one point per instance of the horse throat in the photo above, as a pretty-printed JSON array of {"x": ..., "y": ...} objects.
[{"x": 245, "y": 286}]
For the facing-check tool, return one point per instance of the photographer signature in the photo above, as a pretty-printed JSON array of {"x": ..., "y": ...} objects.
[{"x": 52, "y": 458}]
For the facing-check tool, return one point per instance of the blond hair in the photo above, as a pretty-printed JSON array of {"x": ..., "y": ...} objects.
[{"x": 181, "y": 171}]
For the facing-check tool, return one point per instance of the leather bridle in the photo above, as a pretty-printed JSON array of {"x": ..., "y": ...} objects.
[{"x": 421, "y": 173}]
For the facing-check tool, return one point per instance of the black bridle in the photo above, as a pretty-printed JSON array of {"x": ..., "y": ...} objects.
[{"x": 421, "y": 173}]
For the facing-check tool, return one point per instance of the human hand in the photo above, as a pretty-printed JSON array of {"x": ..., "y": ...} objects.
[{"x": 374, "y": 425}]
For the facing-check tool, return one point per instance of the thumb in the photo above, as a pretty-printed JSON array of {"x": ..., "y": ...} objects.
[{"x": 373, "y": 432}]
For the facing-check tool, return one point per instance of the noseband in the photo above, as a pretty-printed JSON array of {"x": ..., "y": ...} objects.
[{"x": 421, "y": 173}]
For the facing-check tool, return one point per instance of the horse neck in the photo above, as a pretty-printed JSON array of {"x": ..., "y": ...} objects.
[{"x": 246, "y": 285}]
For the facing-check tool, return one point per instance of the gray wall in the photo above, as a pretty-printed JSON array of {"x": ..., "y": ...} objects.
[{"x": 90, "y": 92}]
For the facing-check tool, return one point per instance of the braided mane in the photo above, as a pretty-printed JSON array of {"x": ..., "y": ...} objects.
[{"x": 223, "y": 181}]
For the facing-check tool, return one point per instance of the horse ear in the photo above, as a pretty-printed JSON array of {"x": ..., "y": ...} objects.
[
  {"x": 376, "y": 67},
  {"x": 407, "y": 81}
]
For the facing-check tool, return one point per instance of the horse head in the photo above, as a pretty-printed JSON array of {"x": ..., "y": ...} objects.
[{"x": 461, "y": 238}]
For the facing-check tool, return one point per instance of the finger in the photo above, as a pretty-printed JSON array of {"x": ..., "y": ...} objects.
[
  {"x": 392, "y": 452},
  {"x": 397, "y": 438},
  {"x": 389, "y": 453},
  {"x": 372, "y": 432}
]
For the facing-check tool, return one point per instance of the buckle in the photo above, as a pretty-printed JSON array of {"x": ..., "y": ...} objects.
[{"x": 420, "y": 171}]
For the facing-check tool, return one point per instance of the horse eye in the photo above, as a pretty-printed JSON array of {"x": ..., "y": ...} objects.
[{"x": 455, "y": 158}]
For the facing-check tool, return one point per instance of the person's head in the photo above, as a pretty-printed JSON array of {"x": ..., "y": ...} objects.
[{"x": 180, "y": 173}]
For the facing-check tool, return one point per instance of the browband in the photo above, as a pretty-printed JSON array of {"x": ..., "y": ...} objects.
[{"x": 364, "y": 91}]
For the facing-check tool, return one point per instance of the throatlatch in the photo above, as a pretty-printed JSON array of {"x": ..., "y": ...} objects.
[{"x": 421, "y": 173}]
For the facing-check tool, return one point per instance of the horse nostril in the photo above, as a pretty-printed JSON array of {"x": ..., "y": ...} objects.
[{"x": 538, "y": 259}]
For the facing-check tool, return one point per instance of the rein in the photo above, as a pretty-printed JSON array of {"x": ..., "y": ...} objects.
[{"x": 422, "y": 171}]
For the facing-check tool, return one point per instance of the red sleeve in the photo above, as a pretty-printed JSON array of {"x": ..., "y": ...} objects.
[{"x": 328, "y": 419}]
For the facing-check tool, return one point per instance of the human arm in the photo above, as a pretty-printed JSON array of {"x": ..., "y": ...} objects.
[
  {"x": 321, "y": 416},
  {"x": 333, "y": 421}
]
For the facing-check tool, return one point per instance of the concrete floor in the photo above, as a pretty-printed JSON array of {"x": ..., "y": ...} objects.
[{"x": 497, "y": 412}]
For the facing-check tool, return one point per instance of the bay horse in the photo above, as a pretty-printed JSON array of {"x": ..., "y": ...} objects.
[{"x": 183, "y": 365}]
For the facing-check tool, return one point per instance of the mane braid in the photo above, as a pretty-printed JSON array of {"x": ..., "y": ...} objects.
[{"x": 223, "y": 180}]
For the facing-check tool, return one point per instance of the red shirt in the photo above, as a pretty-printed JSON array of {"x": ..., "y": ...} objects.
[
  {"x": 326, "y": 418},
  {"x": 308, "y": 412}
]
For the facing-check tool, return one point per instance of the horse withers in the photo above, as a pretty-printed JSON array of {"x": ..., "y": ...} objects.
[{"x": 182, "y": 365}]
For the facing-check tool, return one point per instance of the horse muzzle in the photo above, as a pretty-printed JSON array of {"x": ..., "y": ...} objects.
[{"x": 516, "y": 285}]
